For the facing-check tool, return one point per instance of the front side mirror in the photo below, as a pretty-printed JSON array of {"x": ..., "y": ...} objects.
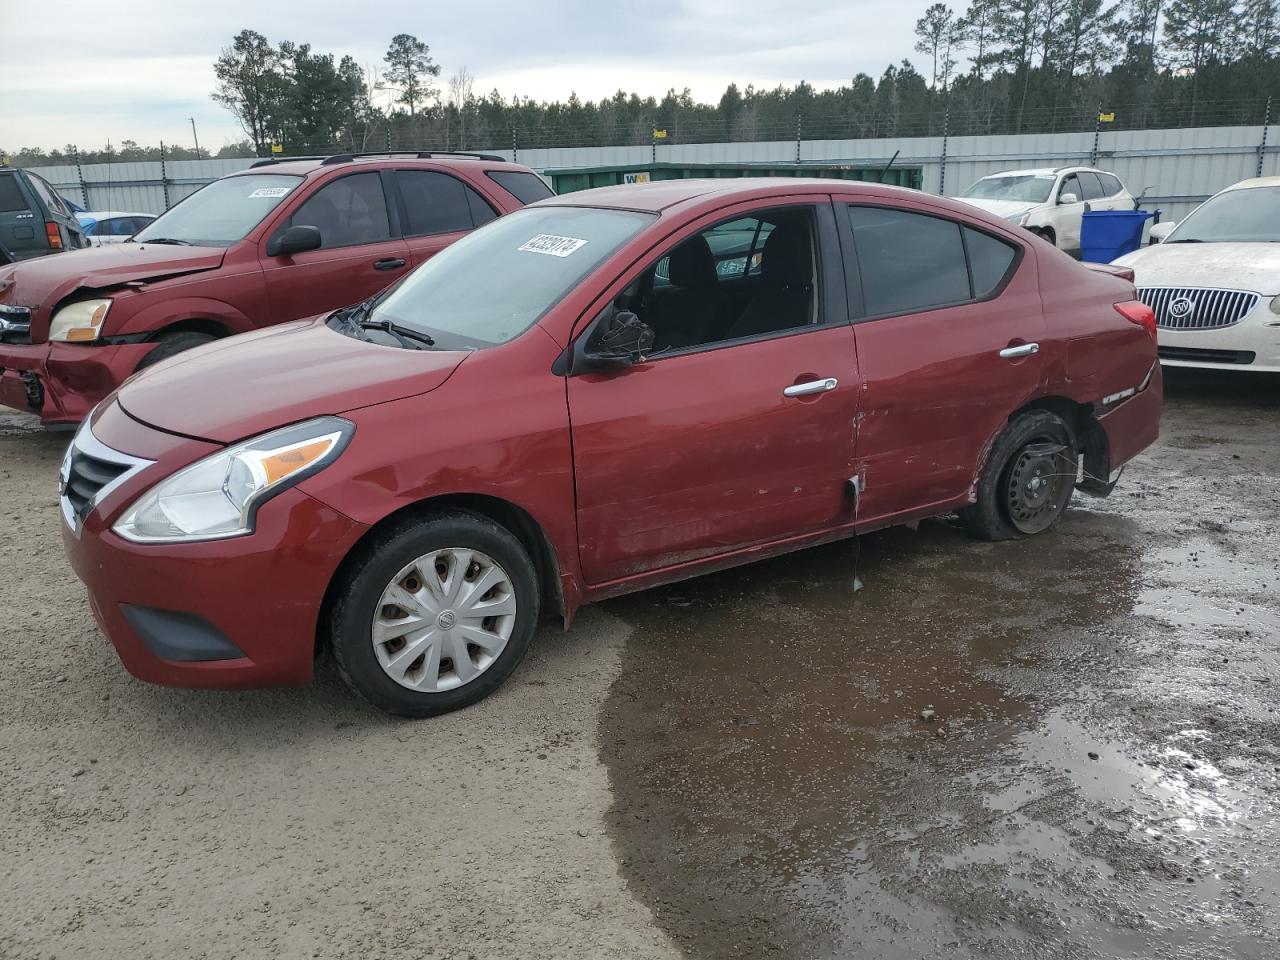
[
  {"x": 618, "y": 341},
  {"x": 1068, "y": 198},
  {"x": 1161, "y": 230},
  {"x": 297, "y": 239}
]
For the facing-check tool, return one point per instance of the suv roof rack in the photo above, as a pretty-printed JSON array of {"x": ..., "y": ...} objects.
[
  {"x": 268, "y": 161},
  {"x": 416, "y": 154}
]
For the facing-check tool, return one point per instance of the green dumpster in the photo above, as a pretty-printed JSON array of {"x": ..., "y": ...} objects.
[{"x": 569, "y": 179}]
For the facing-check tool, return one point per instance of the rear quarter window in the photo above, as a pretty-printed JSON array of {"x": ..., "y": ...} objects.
[
  {"x": 525, "y": 187},
  {"x": 990, "y": 261},
  {"x": 11, "y": 196}
]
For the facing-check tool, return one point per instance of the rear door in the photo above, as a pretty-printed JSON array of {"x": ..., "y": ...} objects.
[
  {"x": 361, "y": 251},
  {"x": 948, "y": 322},
  {"x": 436, "y": 209}
]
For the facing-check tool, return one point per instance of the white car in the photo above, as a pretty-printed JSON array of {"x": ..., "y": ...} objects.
[
  {"x": 1049, "y": 201},
  {"x": 1214, "y": 281},
  {"x": 111, "y": 226}
]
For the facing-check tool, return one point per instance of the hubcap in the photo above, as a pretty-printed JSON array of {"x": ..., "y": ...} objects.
[
  {"x": 443, "y": 620},
  {"x": 1038, "y": 486}
]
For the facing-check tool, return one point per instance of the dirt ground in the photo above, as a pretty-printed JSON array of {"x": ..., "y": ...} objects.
[{"x": 1060, "y": 748}]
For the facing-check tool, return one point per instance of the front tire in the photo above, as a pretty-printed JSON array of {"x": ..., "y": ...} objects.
[
  {"x": 172, "y": 344},
  {"x": 434, "y": 614},
  {"x": 1027, "y": 481}
]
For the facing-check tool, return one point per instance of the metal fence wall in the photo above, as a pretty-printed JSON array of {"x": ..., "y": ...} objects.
[{"x": 1181, "y": 167}]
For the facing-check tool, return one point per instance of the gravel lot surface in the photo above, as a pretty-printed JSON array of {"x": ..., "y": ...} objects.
[{"x": 1061, "y": 748}]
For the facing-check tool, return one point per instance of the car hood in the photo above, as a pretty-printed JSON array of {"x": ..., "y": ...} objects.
[
  {"x": 1001, "y": 208},
  {"x": 1235, "y": 266},
  {"x": 46, "y": 280},
  {"x": 248, "y": 384}
]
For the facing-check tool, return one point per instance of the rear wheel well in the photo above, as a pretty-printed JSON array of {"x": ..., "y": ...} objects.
[
  {"x": 1088, "y": 437},
  {"x": 502, "y": 512},
  {"x": 192, "y": 325}
]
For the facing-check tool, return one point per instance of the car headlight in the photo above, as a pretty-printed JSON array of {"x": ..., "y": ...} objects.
[
  {"x": 1275, "y": 305},
  {"x": 218, "y": 497},
  {"x": 79, "y": 321},
  {"x": 1020, "y": 219}
]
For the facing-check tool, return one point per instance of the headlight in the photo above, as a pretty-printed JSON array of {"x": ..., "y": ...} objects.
[
  {"x": 217, "y": 497},
  {"x": 1275, "y": 305},
  {"x": 79, "y": 321},
  {"x": 1020, "y": 218}
]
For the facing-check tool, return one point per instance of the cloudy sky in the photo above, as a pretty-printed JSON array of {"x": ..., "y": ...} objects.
[{"x": 76, "y": 71}]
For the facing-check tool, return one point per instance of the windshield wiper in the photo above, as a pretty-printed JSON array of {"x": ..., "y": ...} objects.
[
  {"x": 172, "y": 240},
  {"x": 402, "y": 333}
]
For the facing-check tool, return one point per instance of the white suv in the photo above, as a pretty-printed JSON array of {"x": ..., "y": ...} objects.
[{"x": 1050, "y": 201}]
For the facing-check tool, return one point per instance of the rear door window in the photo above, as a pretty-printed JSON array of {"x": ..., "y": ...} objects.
[
  {"x": 1090, "y": 185},
  {"x": 438, "y": 203},
  {"x": 11, "y": 196},
  {"x": 908, "y": 261},
  {"x": 47, "y": 195},
  {"x": 1110, "y": 183},
  {"x": 348, "y": 212},
  {"x": 990, "y": 261},
  {"x": 525, "y": 187}
]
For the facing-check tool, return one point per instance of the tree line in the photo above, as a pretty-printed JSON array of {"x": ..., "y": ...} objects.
[{"x": 993, "y": 66}]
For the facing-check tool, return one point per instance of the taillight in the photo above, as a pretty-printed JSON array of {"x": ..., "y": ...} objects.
[
  {"x": 54, "y": 235},
  {"x": 1135, "y": 311}
]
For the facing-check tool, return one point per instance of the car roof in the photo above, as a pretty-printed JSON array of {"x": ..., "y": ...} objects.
[
  {"x": 303, "y": 166},
  {"x": 657, "y": 196},
  {"x": 1254, "y": 182}
]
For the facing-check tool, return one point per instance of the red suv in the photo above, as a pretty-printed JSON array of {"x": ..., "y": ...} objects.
[
  {"x": 591, "y": 396},
  {"x": 278, "y": 241}
]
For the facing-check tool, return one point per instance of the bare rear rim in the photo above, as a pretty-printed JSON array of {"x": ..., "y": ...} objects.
[
  {"x": 443, "y": 620},
  {"x": 1038, "y": 484}
]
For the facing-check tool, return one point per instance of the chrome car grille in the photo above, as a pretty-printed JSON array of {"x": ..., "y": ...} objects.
[
  {"x": 1198, "y": 308},
  {"x": 15, "y": 324},
  {"x": 90, "y": 471}
]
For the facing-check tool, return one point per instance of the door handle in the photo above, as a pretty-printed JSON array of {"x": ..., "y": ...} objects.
[
  {"x": 388, "y": 263},
  {"x": 811, "y": 386},
  {"x": 1023, "y": 350}
]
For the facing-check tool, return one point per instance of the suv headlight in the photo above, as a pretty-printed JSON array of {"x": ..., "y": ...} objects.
[
  {"x": 79, "y": 321},
  {"x": 218, "y": 497},
  {"x": 1020, "y": 219}
]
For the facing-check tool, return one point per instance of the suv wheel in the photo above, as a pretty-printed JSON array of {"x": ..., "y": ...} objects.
[
  {"x": 1027, "y": 481},
  {"x": 171, "y": 344},
  {"x": 434, "y": 615}
]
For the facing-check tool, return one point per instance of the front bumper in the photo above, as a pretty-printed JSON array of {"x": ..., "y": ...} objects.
[
  {"x": 241, "y": 612},
  {"x": 63, "y": 381},
  {"x": 1252, "y": 344}
]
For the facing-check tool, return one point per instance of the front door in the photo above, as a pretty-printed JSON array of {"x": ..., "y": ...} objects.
[
  {"x": 948, "y": 349},
  {"x": 739, "y": 429},
  {"x": 358, "y": 256}
]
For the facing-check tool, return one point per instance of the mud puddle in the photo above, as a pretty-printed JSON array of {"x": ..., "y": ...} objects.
[{"x": 1059, "y": 748}]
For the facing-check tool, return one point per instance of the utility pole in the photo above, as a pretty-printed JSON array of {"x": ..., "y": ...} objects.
[{"x": 195, "y": 137}]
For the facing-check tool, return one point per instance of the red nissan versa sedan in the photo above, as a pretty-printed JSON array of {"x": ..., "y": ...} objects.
[
  {"x": 590, "y": 396},
  {"x": 278, "y": 241}
]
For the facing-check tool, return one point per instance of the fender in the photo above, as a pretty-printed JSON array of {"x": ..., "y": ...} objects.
[{"x": 166, "y": 312}]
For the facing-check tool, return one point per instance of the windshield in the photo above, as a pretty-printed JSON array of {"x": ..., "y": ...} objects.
[
  {"x": 495, "y": 283},
  {"x": 221, "y": 213},
  {"x": 1024, "y": 188},
  {"x": 1250, "y": 215}
]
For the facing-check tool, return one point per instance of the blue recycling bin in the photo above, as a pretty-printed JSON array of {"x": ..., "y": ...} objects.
[{"x": 1108, "y": 234}]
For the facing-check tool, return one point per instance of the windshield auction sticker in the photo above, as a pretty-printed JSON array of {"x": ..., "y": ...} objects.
[
  {"x": 271, "y": 192},
  {"x": 551, "y": 245}
]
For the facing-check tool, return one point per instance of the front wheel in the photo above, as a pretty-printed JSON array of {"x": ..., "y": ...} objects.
[
  {"x": 172, "y": 344},
  {"x": 434, "y": 614},
  {"x": 1027, "y": 480}
]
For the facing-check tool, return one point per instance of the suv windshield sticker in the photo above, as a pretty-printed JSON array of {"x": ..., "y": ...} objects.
[
  {"x": 269, "y": 192},
  {"x": 551, "y": 245}
]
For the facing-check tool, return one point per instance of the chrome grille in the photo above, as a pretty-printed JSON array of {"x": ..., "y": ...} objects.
[
  {"x": 1198, "y": 308},
  {"x": 90, "y": 471},
  {"x": 15, "y": 324}
]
